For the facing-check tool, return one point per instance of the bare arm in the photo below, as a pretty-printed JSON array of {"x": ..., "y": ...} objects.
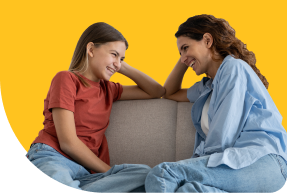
[
  {"x": 72, "y": 145},
  {"x": 146, "y": 87},
  {"x": 173, "y": 82}
]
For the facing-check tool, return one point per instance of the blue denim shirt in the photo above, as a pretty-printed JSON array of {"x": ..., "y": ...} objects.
[{"x": 244, "y": 123}]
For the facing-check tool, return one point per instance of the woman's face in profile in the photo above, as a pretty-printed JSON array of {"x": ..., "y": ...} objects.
[{"x": 194, "y": 54}]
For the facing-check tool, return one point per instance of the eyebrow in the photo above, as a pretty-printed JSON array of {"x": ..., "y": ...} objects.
[{"x": 118, "y": 53}]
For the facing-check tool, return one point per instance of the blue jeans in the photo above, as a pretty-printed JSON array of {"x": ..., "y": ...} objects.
[
  {"x": 268, "y": 174},
  {"x": 120, "y": 178}
]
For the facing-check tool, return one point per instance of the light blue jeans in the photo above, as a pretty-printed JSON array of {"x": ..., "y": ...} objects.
[
  {"x": 120, "y": 178},
  {"x": 268, "y": 174}
]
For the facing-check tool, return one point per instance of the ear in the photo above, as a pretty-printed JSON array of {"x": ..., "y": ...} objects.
[
  {"x": 90, "y": 49},
  {"x": 208, "y": 40}
]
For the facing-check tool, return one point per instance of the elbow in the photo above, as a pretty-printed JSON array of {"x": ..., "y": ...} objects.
[
  {"x": 66, "y": 147},
  {"x": 166, "y": 95},
  {"x": 160, "y": 91}
]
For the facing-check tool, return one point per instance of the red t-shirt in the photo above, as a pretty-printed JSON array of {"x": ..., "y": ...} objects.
[{"x": 91, "y": 106}]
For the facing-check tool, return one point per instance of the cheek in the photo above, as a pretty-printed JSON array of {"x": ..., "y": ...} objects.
[
  {"x": 103, "y": 62},
  {"x": 108, "y": 60}
]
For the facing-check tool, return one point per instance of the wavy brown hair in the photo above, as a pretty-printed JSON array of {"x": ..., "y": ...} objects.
[
  {"x": 98, "y": 33},
  {"x": 224, "y": 40}
]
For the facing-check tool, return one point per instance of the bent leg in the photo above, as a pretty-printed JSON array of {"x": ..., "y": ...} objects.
[
  {"x": 120, "y": 178},
  {"x": 197, "y": 187},
  {"x": 193, "y": 175},
  {"x": 55, "y": 165}
]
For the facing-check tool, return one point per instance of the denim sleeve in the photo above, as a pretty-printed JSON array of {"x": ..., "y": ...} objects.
[
  {"x": 227, "y": 111},
  {"x": 195, "y": 91}
]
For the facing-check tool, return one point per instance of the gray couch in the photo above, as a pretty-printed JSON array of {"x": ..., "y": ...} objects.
[
  {"x": 150, "y": 132},
  {"x": 140, "y": 132}
]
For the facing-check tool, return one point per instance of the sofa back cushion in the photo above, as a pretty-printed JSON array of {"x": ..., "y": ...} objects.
[
  {"x": 185, "y": 131},
  {"x": 150, "y": 132}
]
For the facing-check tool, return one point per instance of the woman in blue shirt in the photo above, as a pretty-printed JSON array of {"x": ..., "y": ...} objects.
[{"x": 240, "y": 143}]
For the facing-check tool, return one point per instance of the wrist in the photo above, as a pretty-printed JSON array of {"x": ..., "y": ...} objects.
[
  {"x": 182, "y": 65},
  {"x": 123, "y": 66}
]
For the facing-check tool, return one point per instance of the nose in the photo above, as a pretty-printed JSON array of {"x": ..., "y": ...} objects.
[
  {"x": 183, "y": 59},
  {"x": 117, "y": 64}
]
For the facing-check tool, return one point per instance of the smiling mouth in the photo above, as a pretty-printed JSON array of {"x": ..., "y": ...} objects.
[
  {"x": 111, "y": 69},
  {"x": 192, "y": 63}
]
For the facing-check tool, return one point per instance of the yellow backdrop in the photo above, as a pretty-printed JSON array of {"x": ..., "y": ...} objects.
[{"x": 38, "y": 39}]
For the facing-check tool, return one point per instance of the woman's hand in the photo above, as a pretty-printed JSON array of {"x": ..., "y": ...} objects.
[{"x": 146, "y": 87}]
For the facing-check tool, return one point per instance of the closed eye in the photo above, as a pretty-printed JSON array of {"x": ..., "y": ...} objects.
[
  {"x": 116, "y": 54},
  {"x": 183, "y": 48}
]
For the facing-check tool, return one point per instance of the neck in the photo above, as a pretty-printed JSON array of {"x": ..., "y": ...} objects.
[
  {"x": 89, "y": 75},
  {"x": 213, "y": 70},
  {"x": 214, "y": 65}
]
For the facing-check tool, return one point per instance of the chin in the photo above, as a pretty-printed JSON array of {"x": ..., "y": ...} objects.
[{"x": 107, "y": 78}]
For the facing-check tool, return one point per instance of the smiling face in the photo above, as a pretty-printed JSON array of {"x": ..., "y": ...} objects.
[
  {"x": 195, "y": 54},
  {"x": 104, "y": 60}
]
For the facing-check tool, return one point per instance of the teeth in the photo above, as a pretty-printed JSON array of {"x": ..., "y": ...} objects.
[
  {"x": 191, "y": 64},
  {"x": 110, "y": 69}
]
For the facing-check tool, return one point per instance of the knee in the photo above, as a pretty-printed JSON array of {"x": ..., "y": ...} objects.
[
  {"x": 158, "y": 172},
  {"x": 143, "y": 168},
  {"x": 156, "y": 180}
]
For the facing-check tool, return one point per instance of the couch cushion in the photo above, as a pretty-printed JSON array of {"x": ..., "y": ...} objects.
[
  {"x": 144, "y": 132},
  {"x": 185, "y": 131}
]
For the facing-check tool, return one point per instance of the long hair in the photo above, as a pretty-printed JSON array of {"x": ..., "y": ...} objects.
[
  {"x": 224, "y": 40},
  {"x": 98, "y": 33}
]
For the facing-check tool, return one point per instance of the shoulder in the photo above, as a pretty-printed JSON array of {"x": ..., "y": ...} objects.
[
  {"x": 201, "y": 85},
  {"x": 232, "y": 68},
  {"x": 231, "y": 74},
  {"x": 65, "y": 76},
  {"x": 231, "y": 65},
  {"x": 198, "y": 88},
  {"x": 65, "y": 79}
]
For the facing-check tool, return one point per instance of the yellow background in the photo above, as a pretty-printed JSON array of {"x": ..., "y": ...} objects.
[{"x": 38, "y": 39}]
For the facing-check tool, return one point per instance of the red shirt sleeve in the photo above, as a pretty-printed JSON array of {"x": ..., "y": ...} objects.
[
  {"x": 62, "y": 91},
  {"x": 116, "y": 89}
]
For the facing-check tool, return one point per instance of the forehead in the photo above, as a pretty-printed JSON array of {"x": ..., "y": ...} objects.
[
  {"x": 181, "y": 40},
  {"x": 118, "y": 46}
]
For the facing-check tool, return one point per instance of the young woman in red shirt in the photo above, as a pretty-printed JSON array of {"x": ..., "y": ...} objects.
[{"x": 72, "y": 147}]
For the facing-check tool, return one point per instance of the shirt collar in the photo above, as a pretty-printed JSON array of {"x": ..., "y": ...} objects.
[{"x": 219, "y": 69}]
